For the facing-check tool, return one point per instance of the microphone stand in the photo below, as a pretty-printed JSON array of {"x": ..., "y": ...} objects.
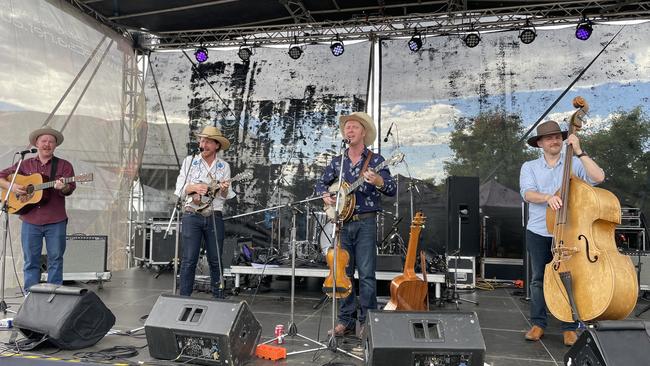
[
  {"x": 5, "y": 206},
  {"x": 176, "y": 214}
]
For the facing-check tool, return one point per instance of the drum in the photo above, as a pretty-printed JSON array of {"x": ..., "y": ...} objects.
[{"x": 322, "y": 231}]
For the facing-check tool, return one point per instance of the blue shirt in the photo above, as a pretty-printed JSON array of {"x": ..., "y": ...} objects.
[
  {"x": 368, "y": 197},
  {"x": 537, "y": 176}
]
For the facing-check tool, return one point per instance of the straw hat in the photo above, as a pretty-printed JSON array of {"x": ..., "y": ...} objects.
[
  {"x": 367, "y": 123},
  {"x": 58, "y": 136},
  {"x": 214, "y": 133},
  {"x": 545, "y": 129}
]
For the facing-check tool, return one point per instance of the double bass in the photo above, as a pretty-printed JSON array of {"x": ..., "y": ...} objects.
[
  {"x": 408, "y": 291},
  {"x": 587, "y": 279}
]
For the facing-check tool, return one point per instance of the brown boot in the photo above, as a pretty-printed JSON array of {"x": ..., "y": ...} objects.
[
  {"x": 535, "y": 333},
  {"x": 341, "y": 330},
  {"x": 570, "y": 337}
]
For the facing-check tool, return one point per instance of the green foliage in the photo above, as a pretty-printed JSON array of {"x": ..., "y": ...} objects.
[
  {"x": 489, "y": 141},
  {"x": 621, "y": 148}
]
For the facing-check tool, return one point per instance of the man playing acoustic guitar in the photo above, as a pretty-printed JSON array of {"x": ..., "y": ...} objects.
[
  {"x": 359, "y": 233},
  {"x": 47, "y": 218}
]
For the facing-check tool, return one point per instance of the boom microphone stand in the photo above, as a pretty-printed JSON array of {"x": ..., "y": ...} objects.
[
  {"x": 455, "y": 298},
  {"x": 5, "y": 212}
]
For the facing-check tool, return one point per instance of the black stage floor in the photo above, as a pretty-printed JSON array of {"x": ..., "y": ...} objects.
[{"x": 130, "y": 294}]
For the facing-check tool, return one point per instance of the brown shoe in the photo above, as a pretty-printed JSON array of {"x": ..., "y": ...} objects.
[
  {"x": 570, "y": 337},
  {"x": 341, "y": 330},
  {"x": 535, "y": 333}
]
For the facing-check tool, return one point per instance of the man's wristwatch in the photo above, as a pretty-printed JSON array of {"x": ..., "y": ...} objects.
[{"x": 583, "y": 153}]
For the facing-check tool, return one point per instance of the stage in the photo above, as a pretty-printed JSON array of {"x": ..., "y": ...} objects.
[{"x": 130, "y": 295}]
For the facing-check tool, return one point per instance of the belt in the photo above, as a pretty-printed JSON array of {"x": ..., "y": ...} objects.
[
  {"x": 362, "y": 216},
  {"x": 191, "y": 211}
]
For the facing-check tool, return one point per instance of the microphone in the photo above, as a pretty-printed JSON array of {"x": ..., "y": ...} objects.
[
  {"x": 28, "y": 151},
  {"x": 463, "y": 211},
  {"x": 346, "y": 141},
  {"x": 389, "y": 129}
]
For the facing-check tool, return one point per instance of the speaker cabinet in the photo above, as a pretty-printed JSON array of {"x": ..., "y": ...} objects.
[
  {"x": 612, "y": 343},
  {"x": 202, "y": 331},
  {"x": 68, "y": 317},
  {"x": 423, "y": 338},
  {"x": 462, "y": 202}
]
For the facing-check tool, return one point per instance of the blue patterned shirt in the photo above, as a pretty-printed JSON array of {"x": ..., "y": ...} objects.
[{"x": 368, "y": 197}]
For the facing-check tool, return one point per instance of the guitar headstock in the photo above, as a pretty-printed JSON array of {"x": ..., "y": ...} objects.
[
  {"x": 575, "y": 122},
  {"x": 418, "y": 219},
  {"x": 81, "y": 178},
  {"x": 397, "y": 158},
  {"x": 243, "y": 176}
]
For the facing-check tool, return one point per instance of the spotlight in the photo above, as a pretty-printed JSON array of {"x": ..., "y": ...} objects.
[
  {"x": 415, "y": 43},
  {"x": 472, "y": 39},
  {"x": 583, "y": 30},
  {"x": 295, "y": 52},
  {"x": 201, "y": 54},
  {"x": 337, "y": 47},
  {"x": 527, "y": 34},
  {"x": 244, "y": 53}
]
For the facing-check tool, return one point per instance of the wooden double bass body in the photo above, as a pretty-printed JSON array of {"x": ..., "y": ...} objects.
[{"x": 602, "y": 280}]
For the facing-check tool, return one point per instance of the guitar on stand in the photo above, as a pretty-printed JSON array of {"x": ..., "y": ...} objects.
[
  {"x": 408, "y": 291},
  {"x": 35, "y": 185}
]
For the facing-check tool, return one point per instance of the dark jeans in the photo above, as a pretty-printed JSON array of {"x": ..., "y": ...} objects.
[
  {"x": 359, "y": 239},
  {"x": 32, "y": 240},
  {"x": 197, "y": 228},
  {"x": 539, "y": 249}
]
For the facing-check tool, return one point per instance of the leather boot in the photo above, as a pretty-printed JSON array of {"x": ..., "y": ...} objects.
[
  {"x": 535, "y": 333},
  {"x": 570, "y": 337}
]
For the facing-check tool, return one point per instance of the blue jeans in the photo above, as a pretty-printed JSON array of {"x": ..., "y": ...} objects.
[
  {"x": 359, "y": 239},
  {"x": 32, "y": 240},
  {"x": 539, "y": 249},
  {"x": 196, "y": 229}
]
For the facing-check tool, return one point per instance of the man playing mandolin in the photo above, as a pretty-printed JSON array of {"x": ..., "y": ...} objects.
[
  {"x": 539, "y": 180},
  {"x": 197, "y": 176},
  {"x": 47, "y": 218},
  {"x": 358, "y": 234}
]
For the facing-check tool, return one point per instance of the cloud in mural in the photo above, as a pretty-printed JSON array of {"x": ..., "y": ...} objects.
[{"x": 430, "y": 125}]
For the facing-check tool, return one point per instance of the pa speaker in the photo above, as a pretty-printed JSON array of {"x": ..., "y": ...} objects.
[
  {"x": 68, "y": 317},
  {"x": 463, "y": 203},
  {"x": 611, "y": 342},
  {"x": 423, "y": 338},
  {"x": 202, "y": 331}
]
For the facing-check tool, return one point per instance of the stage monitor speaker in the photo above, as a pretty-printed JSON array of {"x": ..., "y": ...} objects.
[
  {"x": 202, "y": 331},
  {"x": 67, "y": 317},
  {"x": 463, "y": 194},
  {"x": 424, "y": 338},
  {"x": 612, "y": 343}
]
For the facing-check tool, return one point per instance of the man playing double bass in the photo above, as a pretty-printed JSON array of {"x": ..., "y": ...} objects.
[
  {"x": 539, "y": 180},
  {"x": 359, "y": 234}
]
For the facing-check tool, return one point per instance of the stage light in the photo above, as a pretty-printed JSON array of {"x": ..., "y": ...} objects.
[
  {"x": 583, "y": 30},
  {"x": 337, "y": 47},
  {"x": 295, "y": 52},
  {"x": 201, "y": 54},
  {"x": 527, "y": 34},
  {"x": 472, "y": 39},
  {"x": 415, "y": 43},
  {"x": 244, "y": 53}
]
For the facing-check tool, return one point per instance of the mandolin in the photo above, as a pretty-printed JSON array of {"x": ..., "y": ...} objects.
[
  {"x": 34, "y": 185},
  {"x": 587, "y": 278},
  {"x": 213, "y": 189},
  {"x": 346, "y": 191},
  {"x": 408, "y": 291}
]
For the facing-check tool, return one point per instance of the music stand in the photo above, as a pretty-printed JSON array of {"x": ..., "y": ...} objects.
[{"x": 455, "y": 298}]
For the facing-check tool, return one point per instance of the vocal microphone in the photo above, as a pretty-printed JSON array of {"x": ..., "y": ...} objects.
[
  {"x": 463, "y": 211},
  {"x": 29, "y": 151},
  {"x": 346, "y": 141},
  {"x": 388, "y": 134}
]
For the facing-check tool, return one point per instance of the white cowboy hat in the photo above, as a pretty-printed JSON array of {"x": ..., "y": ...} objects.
[
  {"x": 367, "y": 123},
  {"x": 214, "y": 133},
  {"x": 58, "y": 136}
]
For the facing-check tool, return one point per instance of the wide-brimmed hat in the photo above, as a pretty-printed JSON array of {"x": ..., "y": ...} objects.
[
  {"x": 58, "y": 136},
  {"x": 214, "y": 133},
  {"x": 367, "y": 123},
  {"x": 545, "y": 129}
]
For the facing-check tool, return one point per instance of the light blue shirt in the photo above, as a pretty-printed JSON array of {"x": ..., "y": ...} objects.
[{"x": 537, "y": 176}]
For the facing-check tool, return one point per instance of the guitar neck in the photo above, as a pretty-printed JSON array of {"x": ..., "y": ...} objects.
[
  {"x": 414, "y": 238},
  {"x": 51, "y": 184},
  {"x": 360, "y": 180}
]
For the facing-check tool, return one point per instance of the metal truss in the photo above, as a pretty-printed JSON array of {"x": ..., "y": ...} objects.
[
  {"x": 431, "y": 24},
  {"x": 298, "y": 12}
]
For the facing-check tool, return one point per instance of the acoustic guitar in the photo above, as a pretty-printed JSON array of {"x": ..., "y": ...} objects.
[
  {"x": 408, "y": 291},
  {"x": 346, "y": 191},
  {"x": 34, "y": 185}
]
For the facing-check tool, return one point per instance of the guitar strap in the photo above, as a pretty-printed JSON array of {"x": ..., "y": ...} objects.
[
  {"x": 55, "y": 162},
  {"x": 365, "y": 164}
]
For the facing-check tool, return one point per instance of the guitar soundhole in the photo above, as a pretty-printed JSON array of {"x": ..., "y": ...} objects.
[{"x": 29, "y": 189}]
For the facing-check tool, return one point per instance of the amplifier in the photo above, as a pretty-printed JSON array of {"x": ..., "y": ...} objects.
[
  {"x": 85, "y": 258},
  {"x": 423, "y": 338},
  {"x": 641, "y": 261}
]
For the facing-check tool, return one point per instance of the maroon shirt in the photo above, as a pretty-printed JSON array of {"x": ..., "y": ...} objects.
[{"x": 51, "y": 209}]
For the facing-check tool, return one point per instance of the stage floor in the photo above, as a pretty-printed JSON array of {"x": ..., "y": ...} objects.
[{"x": 130, "y": 294}]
